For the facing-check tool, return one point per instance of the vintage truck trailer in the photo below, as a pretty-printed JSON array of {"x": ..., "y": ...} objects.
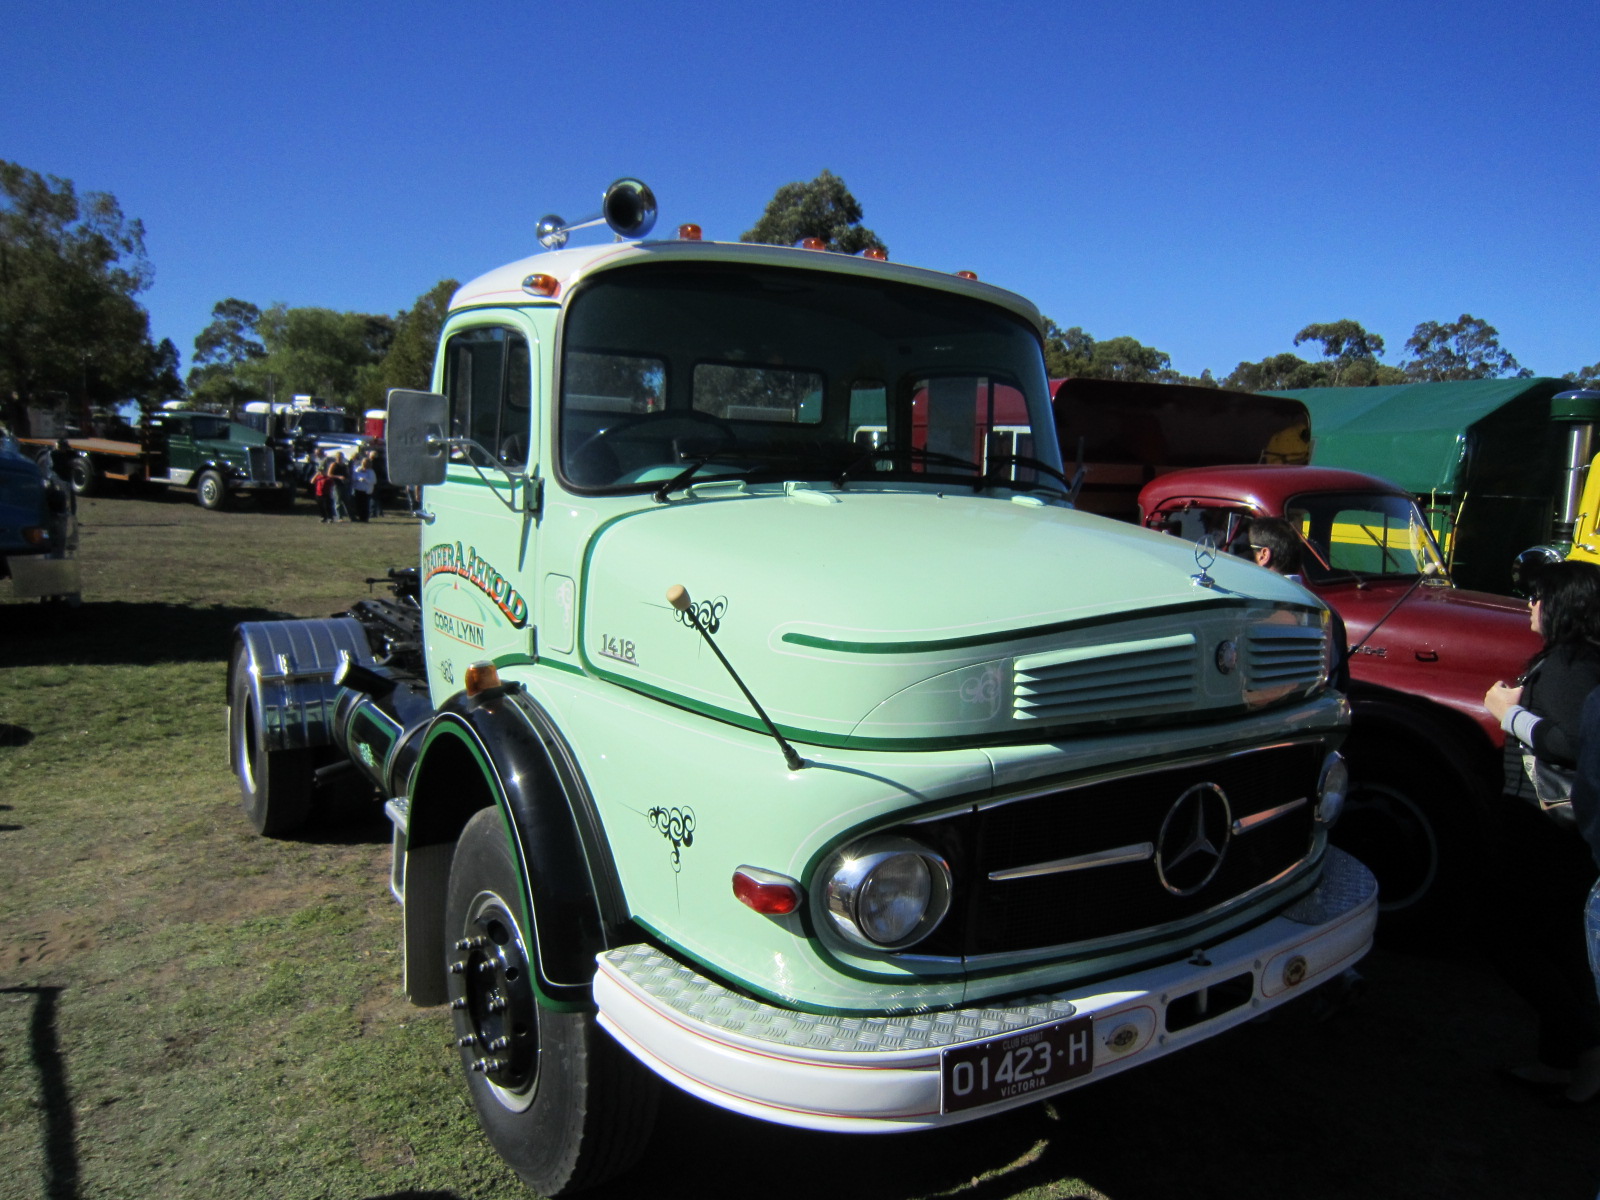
[
  {"x": 1425, "y": 756},
  {"x": 744, "y": 729}
]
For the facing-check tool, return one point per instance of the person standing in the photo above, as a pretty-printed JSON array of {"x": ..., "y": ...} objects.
[
  {"x": 322, "y": 489},
  {"x": 1543, "y": 871},
  {"x": 375, "y": 501},
  {"x": 339, "y": 472},
  {"x": 1585, "y": 1085},
  {"x": 362, "y": 481}
]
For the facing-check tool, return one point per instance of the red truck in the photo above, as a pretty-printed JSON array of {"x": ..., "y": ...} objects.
[{"x": 1426, "y": 759}]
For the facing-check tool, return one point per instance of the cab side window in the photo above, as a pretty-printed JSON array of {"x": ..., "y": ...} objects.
[{"x": 488, "y": 376}]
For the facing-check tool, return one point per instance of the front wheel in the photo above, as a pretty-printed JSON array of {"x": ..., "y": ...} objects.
[
  {"x": 275, "y": 786},
  {"x": 1417, "y": 825},
  {"x": 561, "y": 1102},
  {"x": 211, "y": 490}
]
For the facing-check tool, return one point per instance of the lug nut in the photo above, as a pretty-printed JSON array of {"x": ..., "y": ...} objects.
[
  {"x": 485, "y": 967},
  {"x": 468, "y": 1040},
  {"x": 463, "y": 944},
  {"x": 459, "y": 967},
  {"x": 458, "y": 1003},
  {"x": 500, "y": 1043},
  {"x": 497, "y": 1003}
]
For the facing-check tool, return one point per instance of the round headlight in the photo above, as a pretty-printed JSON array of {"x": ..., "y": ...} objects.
[
  {"x": 1332, "y": 787},
  {"x": 886, "y": 893}
]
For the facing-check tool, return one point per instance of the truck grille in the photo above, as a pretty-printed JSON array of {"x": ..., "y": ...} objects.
[
  {"x": 259, "y": 461},
  {"x": 1104, "y": 681},
  {"x": 1013, "y": 894}
]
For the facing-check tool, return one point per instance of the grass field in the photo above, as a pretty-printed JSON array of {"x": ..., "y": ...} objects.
[{"x": 189, "y": 1010}]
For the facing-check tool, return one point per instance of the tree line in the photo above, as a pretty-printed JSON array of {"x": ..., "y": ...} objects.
[{"x": 71, "y": 327}]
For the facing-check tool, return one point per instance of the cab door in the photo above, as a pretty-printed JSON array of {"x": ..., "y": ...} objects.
[{"x": 478, "y": 556}]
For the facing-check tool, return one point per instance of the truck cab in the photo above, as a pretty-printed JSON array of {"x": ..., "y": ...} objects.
[
  {"x": 217, "y": 457},
  {"x": 761, "y": 716}
]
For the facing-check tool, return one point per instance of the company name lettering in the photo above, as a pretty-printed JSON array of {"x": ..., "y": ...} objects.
[{"x": 447, "y": 559}]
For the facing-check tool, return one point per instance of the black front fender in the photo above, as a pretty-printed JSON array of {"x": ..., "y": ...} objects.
[{"x": 503, "y": 749}]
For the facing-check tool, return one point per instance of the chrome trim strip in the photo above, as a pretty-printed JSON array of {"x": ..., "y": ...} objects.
[
  {"x": 1121, "y": 771},
  {"x": 1137, "y": 852},
  {"x": 1256, "y": 820},
  {"x": 1149, "y": 933}
]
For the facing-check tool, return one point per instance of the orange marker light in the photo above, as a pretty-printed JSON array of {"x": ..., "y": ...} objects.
[
  {"x": 766, "y": 892},
  {"x": 967, "y": 275},
  {"x": 481, "y": 676},
  {"x": 813, "y": 244},
  {"x": 542, "y": 285},
  {"x": 877, "y": 254},
  {"x": 689, "y": 233}
]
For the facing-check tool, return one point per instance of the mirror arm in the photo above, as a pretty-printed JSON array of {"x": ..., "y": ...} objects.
[{"x": 469, "y": 444}]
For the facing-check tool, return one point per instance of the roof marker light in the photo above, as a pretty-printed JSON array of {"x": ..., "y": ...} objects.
[
  {"x": 813, "y": 243},
  {"x": 689, "y": 233},
  {"x": 766, "y": 892},
  {"x": 876, "y": 253},
  {"x": 542, "y": 285},
  {"x": 972, "y": 275}
]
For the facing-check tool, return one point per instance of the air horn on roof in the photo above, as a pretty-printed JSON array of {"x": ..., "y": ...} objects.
[{"x": 628, "y": 207}]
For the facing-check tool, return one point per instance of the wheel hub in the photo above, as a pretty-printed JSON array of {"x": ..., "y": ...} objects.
[{"x": 492, "y": 999}]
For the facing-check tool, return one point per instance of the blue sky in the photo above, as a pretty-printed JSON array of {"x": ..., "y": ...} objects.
[{"x": 1207, "y": 178}]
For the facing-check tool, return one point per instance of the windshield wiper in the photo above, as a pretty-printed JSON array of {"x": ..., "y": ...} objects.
[
  {"x": 1024, "y": 460},
  {"x": 918, "y": 453},
  {"x": 734, "y": 455}
]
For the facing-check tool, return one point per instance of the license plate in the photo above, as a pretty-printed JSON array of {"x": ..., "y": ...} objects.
[{"x": 1015, "y": 1064}]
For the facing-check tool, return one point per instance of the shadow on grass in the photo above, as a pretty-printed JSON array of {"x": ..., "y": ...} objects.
[
  {"x": 14, "y": 735},
  {"x": 54, "y": 1102},
  {"x": 118, "y": 632}
]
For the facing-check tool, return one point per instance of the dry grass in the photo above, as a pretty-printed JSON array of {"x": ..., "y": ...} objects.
[{"x": 186, "y": 1009}]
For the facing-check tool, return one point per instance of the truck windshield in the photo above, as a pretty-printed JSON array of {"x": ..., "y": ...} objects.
[
  {"x": 326, "y": 422},
  {"x": 1362, "y": 535},
  {"x": 768, "y": 373}
]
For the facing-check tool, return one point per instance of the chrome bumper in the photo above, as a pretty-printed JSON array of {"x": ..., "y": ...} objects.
[{"x": 876, "y": 1074}]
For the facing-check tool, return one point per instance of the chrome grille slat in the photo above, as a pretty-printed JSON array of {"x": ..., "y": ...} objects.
[
  {"x": 1104, "y": 680},
  {"x": 1283, "y": 654}
]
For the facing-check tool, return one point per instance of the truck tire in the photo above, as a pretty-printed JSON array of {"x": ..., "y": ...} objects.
[
  {"x": 275, "y": 786},
  {"x": 211, "y": 490},
  {"x": 86, "y": 476},
  {"x": 559, "y": 1100},
  {"x": 1417, "y": 825}
]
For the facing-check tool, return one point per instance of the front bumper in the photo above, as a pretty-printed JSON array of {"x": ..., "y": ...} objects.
[{"x": 879, "y": 1074}]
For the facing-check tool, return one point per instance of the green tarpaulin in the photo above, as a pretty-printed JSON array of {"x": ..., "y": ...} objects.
[{"x": 1415, "y": 434}]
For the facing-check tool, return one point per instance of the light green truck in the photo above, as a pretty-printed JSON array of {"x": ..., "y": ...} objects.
[{"x": 762, "y": 717}]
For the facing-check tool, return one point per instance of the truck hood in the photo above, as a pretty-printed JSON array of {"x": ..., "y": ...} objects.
[{"x": 859, "y": 618}]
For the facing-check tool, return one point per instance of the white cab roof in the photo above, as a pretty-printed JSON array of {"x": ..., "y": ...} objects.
[{"x": 504, "y": 284}]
